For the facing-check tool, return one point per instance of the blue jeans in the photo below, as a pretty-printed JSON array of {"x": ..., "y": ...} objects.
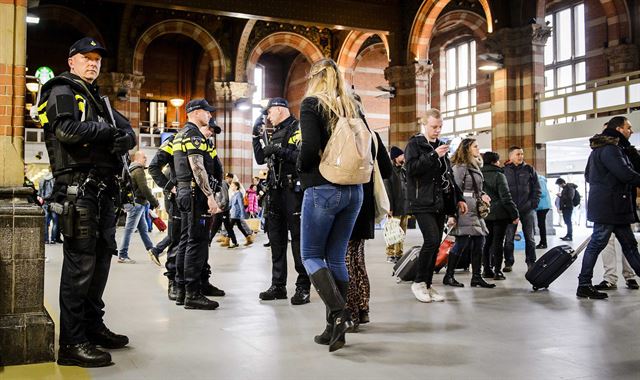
[
  {"x": 135, "y": 219},
  {"x": 566, "y": 216},
  {"x": 50, "y": 217},
  {"x": 599, "y": 239},
  {"x": 329, "y": 213},
  {"x": 528, "y": 228}
]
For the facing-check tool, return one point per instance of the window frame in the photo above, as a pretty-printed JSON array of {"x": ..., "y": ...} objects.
[{"x": 472, "y": 78}]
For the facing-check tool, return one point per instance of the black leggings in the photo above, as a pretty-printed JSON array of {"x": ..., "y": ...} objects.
[
  {"x": 431, "y": 226},
  {"x": 493, "y": 251},
  {"x": 542, "y": 225}
]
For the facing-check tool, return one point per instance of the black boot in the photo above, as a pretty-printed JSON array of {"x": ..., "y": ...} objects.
[
  {"x": 83, "y": 355},
  {"x": 325, "y": 337},
  {"x": 195, "y": 300},
  {"x": 106, "y": 338},
  {"x": 208, "y": 289},
  {"x": 331, "y": 292},
  {"x": 477, "y": 280},
  {"x": 180, "y": 294},
  {"x": 451, "y": 281},
  {"x": 171, "y": 291}
]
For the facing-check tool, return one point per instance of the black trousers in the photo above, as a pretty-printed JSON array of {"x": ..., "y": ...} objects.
[
  {"x": 218, "y": 221},
  {"x": 431, "y": 226},
  {"x": 86, "y": 264},
  {"x": 238, "y": 223},
  {"x": 193, "y": 249},
  {"x": 474, "y": 244},
  {"x": 493, "y": 251},
  {"x": 284, "y": 217},
  {"x": 541, "y": 215}
]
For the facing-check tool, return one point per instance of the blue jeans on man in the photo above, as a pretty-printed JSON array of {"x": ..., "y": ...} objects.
[
  {"x": 135, "y": 219},
  {"x": 528, "y": 229},
  {"x": 599, "y": 240},
  {"x": 567, "y": 213},
  {"x": 329, "y": 213},
  {"x": 50, "y": 218}
]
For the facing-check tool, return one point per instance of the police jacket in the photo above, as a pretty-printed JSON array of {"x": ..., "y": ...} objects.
[
  {"x": 287, "y": 137},
  {"x": 77, "y": 134},
  {"x": 523, "y": 185},
  {"x": 430, "y": 184},
  {"x": 164, "y": 157},
  {"x": 612, "y": 180}
]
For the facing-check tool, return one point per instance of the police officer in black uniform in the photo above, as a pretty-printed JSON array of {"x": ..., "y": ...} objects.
[
  {"x": 164, "y": 157},
  {"x": 86, "y": 155},
  {"x": 284, "y": 197},
  {"x": 195, "y": 199}
]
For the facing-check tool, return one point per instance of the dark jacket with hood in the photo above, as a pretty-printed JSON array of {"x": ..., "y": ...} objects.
[
  {"x": 523, "y": 185},
  {"x": 567, "y": 195},
  {"x": 141, "y": 191},
  {"x": 396, "y": 186},
  {"x": 495, "y": 185},
  {"x": 426, "y": 176},
  {"x": 612, "y": 180}
]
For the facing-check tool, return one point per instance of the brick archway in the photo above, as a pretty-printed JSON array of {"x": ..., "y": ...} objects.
[
  {"x": 186, "y": 28},
  {"x": 350, "y": 48},
  {"x": 73, "y": 18},
  {"x": 242, "y": 50},
  {"x": 296, "y": 41},
  {"x": 471, "y": 20},
  {"x": 423, "y": 24}
]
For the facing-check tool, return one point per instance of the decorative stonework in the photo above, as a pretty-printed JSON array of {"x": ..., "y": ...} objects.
[
  {"x": 509, "y": 40},
  {"x": 238, "y": 89},
  {"x": 320, "y": 37},
  {"x": 120, "y": 83},
  {"x": 406, "y": 76},
  {"x": 622, "y": 58}
]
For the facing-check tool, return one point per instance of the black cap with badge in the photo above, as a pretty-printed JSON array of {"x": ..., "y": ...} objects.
[
  {"x": 276, "y": 102},
  {"x": 199, "y": 104},
  {"x": 216, "y": 128},
  {"x": 85, "y": 45}
]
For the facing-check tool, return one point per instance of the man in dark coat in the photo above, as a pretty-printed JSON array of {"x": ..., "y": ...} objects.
[
  {"x": 611, "y": 202},
  {"x": 396, "y": 187},
  {"x": 566, "y": 205}
]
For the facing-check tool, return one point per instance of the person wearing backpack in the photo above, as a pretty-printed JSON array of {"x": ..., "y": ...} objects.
[
  {"x": 329, "y": 209},
  {"x": 569, "y": 198}
]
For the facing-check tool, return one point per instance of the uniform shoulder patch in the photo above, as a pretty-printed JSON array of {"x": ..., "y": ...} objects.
[{"x": 197, "y": 141}]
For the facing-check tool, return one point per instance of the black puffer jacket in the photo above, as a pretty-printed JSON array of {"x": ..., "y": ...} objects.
[
  {"x": 426, "y": 174},
  {"x": 495, "y": 185},
  {"x": 523, "y": 185},
  {"x": 396, "y": 186},
  {"x": 567, "y": 195}
]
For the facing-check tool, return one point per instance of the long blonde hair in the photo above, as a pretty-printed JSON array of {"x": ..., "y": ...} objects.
[
  {"x": 463, "y": 155},
  {"x": 326, "y": 84}
]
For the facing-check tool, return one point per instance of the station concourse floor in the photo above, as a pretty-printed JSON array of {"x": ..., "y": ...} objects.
[{"x": 508, "y": 332}]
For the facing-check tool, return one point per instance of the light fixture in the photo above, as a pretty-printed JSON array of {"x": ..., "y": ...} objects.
[
  {"x": 389, "y": 92},
  {"x": 490, "y": 62},
  {"x": 33, "y": 20},
  {"x": 242, "y": 104},
  {"x": 177, "y": 103},
  {"x": 33, "y": 87}
]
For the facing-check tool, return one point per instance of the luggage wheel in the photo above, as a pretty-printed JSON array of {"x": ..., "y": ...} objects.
[
  {"x": 398, "y": 280},
  {"x": 535, "y": 289}
]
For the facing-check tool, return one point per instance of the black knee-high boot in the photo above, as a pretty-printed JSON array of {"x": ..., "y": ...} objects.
[
  {"x": 325, "y": 337},
  {"x": 476, "y": 279},
  {"x": 331, "y": 292}
]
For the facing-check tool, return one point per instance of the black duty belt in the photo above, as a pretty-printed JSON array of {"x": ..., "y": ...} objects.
[{"x": 183, "y": 184}]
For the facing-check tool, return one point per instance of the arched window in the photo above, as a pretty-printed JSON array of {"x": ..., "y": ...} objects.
[
  {"x": 564, "y": 53},
  {"x": 460, "y": 86}
]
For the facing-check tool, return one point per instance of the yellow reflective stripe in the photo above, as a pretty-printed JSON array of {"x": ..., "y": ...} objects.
[
  {"x": 167, "y": 148},
  {"x": 189, "y": 146},
  {"x": 43, "y": 105},
  {"x": 296, "y": 137},
  {"x": 43, "y": 118},
  {"x": 213, "y": 153},
  {"x": 81, "y": 103}
]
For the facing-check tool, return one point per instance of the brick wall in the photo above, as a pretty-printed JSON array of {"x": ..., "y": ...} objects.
[{"x": 296, "y": 83}]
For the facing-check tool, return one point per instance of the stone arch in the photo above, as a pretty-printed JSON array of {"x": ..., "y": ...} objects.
[
  {"x": 71, "y": 17},
  {"x": 473, "y": 21},
  {"x": 351, "y": 46},
  {"x": 242, "y": 49},
  {"x": 293, "y": 40},
  {"x": 423, "y": 23},
  {"x": 186, "y": 28}
]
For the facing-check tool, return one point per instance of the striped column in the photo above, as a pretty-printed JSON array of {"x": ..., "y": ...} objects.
[
  {"x": 234, "y": 143},
  {"x": 12, "y": 90},
  {"x": 412, "y": 84},
  {"x": 26, "y": 329},
  {"x": 515, "y": 88}
]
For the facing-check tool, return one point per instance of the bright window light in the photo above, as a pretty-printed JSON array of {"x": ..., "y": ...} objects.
[{"x": 33, "y": 20}]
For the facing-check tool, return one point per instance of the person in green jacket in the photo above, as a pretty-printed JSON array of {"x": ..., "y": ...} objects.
[{"x": 503, "y": 212}]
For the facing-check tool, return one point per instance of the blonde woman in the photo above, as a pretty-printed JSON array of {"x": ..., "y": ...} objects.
[
  {"x": 470, "y": 228},
  {"x": 329, "y": 211}
]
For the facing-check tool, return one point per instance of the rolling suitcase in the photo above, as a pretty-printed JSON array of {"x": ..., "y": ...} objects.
[
  {"x": 405, "y": 268},
  {"x": 552, "y": 264}
]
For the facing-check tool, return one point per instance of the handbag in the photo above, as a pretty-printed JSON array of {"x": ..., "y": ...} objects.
[
  {"x": 393, "y": 233},
  {"x": 482, "y": 208},
  {"x": 381, "y": 199}
]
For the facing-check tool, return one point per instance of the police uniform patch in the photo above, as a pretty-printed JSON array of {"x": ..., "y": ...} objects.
[{"x": 196, "y": 141}]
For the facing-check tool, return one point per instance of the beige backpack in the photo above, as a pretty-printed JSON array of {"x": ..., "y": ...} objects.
[{"x": 347, "y": 159}]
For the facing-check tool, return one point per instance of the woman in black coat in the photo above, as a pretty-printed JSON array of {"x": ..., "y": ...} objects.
[{"x": 359, "y": 291}]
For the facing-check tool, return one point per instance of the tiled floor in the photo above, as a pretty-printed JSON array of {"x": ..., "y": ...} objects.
[{"x": 504, "y": 333}]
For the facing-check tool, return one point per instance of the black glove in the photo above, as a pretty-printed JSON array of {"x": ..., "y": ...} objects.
[
  {"x": 121, "y": 144},
  {"x": 257, "y": 126},
  {"x": 271, "y": 150}
]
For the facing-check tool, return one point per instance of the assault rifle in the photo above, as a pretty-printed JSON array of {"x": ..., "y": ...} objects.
[{"x": 125, "y": 181}]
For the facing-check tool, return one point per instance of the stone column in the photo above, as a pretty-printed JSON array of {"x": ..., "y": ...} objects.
[
  {"x": 622, "y": 58},
  {"x": 515, "y": 87},
  {"x": 234, "y": 144},
  {"x": 412, "y": 98},
  {"x": 26, "y": 329},
  {"x": 123, "y": 91}
]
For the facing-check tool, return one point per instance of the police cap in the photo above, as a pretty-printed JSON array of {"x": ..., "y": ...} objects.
[
  {"x": 199, "y": 104},
  {"x": 276, "y": 102},
  {"x": 85, "y": 45}
]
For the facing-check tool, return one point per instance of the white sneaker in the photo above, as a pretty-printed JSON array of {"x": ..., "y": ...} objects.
[
  {"x": 126, "y": 260},
  {"x": 435, "y": 297},
  {"x": 419, "y": 290}
]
